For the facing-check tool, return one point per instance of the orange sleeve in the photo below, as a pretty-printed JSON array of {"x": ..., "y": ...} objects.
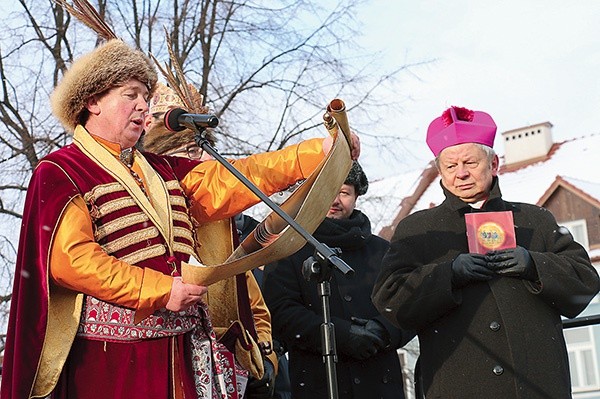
[
  {"x": 217, "y": 194},
  {"x": 78, "y": 263},
  {"x": 260, "y": 314}
]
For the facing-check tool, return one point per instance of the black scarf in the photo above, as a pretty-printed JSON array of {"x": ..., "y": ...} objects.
[
  {"x": 348, "y": 233},
  {"x": 493, "y": 203}
]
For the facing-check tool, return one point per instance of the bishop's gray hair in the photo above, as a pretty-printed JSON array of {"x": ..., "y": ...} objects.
[{"x": 489, "y": 153}]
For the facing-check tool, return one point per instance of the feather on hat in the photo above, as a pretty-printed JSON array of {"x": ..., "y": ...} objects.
[
  {"x": 179, "y": 94},
  {"x": 110, "y": 64}
]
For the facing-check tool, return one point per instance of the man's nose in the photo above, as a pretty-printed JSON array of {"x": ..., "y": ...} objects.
[
  {"x": 461, "y": 171},
  {"x": 143, "y": 106}
]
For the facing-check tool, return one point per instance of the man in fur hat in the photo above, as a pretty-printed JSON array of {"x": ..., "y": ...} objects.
[
  {"x": 489, "y": 325},
  {"x": 98, "y": 308},
  {"x": 367, "y": 363},
  {"x": 242, "y": 292}
]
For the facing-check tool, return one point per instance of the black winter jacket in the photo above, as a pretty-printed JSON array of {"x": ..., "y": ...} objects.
[
  {"x": 296, "y": 315},
  {"x": 496, "y": 339}
]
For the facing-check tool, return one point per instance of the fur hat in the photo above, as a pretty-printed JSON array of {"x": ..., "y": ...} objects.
[
  {"x": 458, "y": 126},
  {"x": 358, "y": 179},
  {"x": 111, "y": 64},
  {"x": 158, "y": 139}
]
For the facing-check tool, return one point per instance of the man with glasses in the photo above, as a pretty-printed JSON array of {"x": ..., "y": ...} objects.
[
  {"x": 247, "y": 294},
  {"x": 191, "y": 151}
]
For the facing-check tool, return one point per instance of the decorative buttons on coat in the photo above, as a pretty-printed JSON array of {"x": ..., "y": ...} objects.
[
  {"x": 494, "y": 326},
  {"x": 356, "y": 380},
  {"x": 498, "y": 370},
  {"x": 347, "y": 297}
]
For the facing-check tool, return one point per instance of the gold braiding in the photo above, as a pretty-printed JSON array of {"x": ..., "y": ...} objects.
[{"x": 130, "y": 239}]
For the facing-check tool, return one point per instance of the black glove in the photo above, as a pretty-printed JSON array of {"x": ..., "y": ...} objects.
[
  {"x": 362, "y": 343},
  {"x": 279, "y": 348},
  {"x": 514, "y": 262},
  {"x": 469, "y": 268},
  {"x": 376, "y": 328},
  {"x": 265, "y": 387}
]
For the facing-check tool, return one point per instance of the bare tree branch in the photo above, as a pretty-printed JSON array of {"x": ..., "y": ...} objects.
[{"x": 267, "y": 69}]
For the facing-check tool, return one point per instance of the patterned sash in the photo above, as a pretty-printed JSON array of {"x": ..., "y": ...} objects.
[
  {"x": 107, "y": 322},
  {"x": 216, "y": 373}
]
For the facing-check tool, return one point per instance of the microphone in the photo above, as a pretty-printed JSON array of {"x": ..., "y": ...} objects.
[{"x": 177, "y": 119}]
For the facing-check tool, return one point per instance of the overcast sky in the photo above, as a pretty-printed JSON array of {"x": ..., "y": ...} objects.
[{"x": 522, "y": 61}]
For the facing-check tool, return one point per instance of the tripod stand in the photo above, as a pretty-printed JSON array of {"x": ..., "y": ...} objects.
[{"x": 320, "y": 271}]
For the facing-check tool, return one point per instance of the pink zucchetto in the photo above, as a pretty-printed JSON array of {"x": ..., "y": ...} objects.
[{"x": 460, "y": 125}]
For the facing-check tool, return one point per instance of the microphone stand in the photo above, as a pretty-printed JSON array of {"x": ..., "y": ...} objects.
[
  {"x": 317, "y": 267},
  {"x": 317, "y": 270}
]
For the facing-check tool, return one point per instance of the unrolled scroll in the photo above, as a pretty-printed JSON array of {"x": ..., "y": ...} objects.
[{"x": 308, "y": 205}]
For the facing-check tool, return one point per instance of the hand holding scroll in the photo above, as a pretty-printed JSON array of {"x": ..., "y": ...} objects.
[{"x": 354, "y": 142}]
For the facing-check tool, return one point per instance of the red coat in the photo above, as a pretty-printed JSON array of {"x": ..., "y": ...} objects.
[{"x": 58, "y": 179}]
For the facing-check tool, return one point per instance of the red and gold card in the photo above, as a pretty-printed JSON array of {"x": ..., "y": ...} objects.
[{"x": 490, "y": 231}]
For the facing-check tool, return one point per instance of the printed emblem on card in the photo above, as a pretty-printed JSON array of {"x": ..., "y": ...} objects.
[{"x": 491, "y": 235}]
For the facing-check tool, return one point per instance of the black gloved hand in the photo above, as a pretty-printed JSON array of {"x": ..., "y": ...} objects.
[
  {"x": 514, "y": 262},
  {"x": 265, "y": 387},
  {"x": 376, "y": 328},
  {"x": 469, "y": 268},
  {"x": 279, "y": 348},
  {"x": 362, "y": 343}
]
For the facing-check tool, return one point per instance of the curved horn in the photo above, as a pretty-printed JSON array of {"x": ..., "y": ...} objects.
[
  {"x": 308, "y": 205},
  {"x": 336, "y": 109}
]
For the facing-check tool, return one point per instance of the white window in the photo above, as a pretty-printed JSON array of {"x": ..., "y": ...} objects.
[
  {"x": 582, "y": 359},
  {"x": 579, "y": 230}
]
